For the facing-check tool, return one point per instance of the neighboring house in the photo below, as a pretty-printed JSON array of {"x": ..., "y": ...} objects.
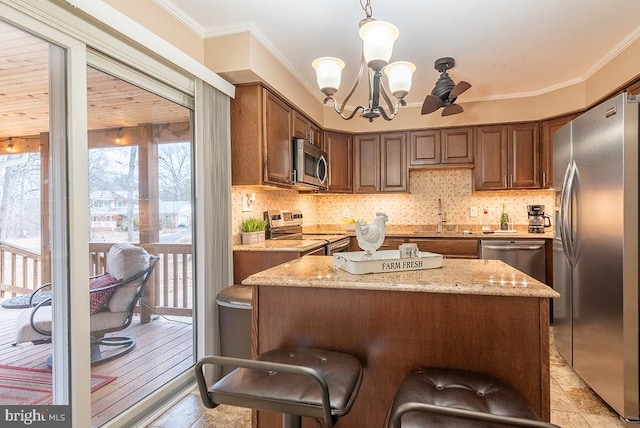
[
  {"x": 174, "y": 214},
  {"x": 110, "y": 211}
]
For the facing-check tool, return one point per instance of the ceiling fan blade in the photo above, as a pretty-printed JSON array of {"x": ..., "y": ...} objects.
[
  {"x": 431, "y": 104},
  {"x": 459, "y": 88},
  {"x": 452, "y": 109}
]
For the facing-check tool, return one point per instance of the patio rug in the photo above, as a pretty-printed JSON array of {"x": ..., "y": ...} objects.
[{"x": 25, "y": 386}]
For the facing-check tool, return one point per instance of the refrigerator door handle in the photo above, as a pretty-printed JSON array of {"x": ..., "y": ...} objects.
[
  {"x": 567, "y": 220},
  {"x": 563, "y": 212}
]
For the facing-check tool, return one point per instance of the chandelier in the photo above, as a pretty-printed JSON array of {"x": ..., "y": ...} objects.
[{"x": 377, "y": 46}]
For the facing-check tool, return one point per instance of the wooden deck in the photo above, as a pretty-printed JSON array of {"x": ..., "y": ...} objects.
[{"x": 164, "y": 349}]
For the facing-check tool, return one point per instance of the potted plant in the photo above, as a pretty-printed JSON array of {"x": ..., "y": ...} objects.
[{"x": 253, "y": 230}]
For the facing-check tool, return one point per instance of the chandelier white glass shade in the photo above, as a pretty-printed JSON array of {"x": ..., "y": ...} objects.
[{"x": 377, "y": 46}]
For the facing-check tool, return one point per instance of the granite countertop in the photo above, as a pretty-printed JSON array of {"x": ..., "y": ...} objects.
[
  {"x": 429, "y": 231},
  {"x": 293, "y": 245},
  {"x": 457, "y": 276}
]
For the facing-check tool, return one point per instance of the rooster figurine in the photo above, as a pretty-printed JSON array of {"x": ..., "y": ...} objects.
[{"x": 370, "y": 237}]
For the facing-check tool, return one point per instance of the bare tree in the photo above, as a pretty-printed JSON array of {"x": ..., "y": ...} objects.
[
  {"x": 20, "y": 184},
  {"x": 174, "y": 171}
]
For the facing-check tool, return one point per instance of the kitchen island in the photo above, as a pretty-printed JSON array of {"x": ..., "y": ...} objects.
[{"x": 479, "y": 315}]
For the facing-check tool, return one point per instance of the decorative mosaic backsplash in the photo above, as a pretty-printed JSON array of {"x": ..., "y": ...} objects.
[{"x": 418, "y": 207}]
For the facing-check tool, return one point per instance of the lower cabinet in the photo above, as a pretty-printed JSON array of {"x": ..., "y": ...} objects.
[
  {"x": 450, "y": 248},
  {"x": 392, "y": 243},
  {"x": 246, "y": 263},
  {"x": 458, "y": 248}
]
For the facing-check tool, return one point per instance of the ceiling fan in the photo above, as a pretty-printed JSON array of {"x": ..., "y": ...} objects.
[{"x": 445, "y": 92}]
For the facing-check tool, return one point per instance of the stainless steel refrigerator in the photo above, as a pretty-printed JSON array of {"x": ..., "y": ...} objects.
[{"x": 595, "y": 250}]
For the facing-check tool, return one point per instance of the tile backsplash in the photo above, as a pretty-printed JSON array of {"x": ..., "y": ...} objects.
[{"x": 418, "y": 207}]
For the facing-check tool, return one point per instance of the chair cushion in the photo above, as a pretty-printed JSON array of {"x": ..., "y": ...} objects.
[
  {"x": 98, "y": 299},
  {"x": 106, "y": 321},
  {"x": 462, "y": 390},
  {"x": 42, "y": 319},
  {"x": 291, "y": 393},
  {"x": 126, "y": 260}
]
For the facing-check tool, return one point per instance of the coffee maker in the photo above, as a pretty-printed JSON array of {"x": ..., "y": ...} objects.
[{"x": 538, "y": 220}]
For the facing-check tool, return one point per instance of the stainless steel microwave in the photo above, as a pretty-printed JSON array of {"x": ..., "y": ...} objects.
[{"x": 310, "y": 169}]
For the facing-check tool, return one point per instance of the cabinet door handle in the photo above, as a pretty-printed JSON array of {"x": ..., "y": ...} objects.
[
  {"x": 544, "y": 179},
  {"x": 505, "y": 181},
  {"x": 510, "y": 180}
]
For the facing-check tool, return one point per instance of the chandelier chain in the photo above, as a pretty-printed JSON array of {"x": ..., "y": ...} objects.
[{"x": 366, "y": 6}]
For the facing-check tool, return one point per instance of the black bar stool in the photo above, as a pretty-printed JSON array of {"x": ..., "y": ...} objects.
[
  {"x": 294, "y": 381},
  {"x": 459, "y": 399}
]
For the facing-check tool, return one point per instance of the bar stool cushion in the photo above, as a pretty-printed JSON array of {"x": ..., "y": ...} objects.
[
  {"x": 290, "y": 393},
  {"x": 462, "y": 390}
]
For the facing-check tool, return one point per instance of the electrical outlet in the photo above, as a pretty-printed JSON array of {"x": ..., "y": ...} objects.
[
  {"x": 246, "y": 206},
  {"x": 473, "y": 212}
]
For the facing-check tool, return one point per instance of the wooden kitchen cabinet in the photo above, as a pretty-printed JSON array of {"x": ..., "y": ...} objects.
[
  {"x": 366, "y": 163},
  {"x": 246, "y": 263},
  {"x": 306, "y": 129},
  {"x": 507, "y": 157},
  {"x": 339, "y": 148},
  {"x": 450, "y": 248},
  {"x": 391, "y": 243},
  {"x": 547, "y": 129},
  {"x": 387, "y": 244},
  {"x": 451, "y": 147},
  {"x": 634, "y": 88},
  {"x": 380, "y": 163},
  {"x": 261, "y": 138}
]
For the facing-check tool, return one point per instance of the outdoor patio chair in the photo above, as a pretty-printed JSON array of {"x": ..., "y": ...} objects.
[{"x": 113, "y": 298}]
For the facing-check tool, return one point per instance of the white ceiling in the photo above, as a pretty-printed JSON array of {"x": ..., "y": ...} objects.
[{"x": 504, "y": 48}]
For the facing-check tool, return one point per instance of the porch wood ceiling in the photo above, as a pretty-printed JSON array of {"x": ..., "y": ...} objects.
[{"x": 24, "y": 92}]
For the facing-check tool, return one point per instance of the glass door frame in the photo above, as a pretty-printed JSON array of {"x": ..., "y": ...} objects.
[
  {"x": 69, "y": 199},
  {"x": 68, "y": 151}
]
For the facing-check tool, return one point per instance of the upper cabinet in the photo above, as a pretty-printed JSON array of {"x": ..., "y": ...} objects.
[
  {"x": 634, "y": 89},
  {"x": 261, "y": 138},
  {"x": 547, "y": 129},
  {"x": 339, "y": 148},
  {"x": 450, "y": 147},
  {"x": 304, "y": 128},
  {"x": 507, "y": 157},
  {"x": 380, "y": 163},
  {"x": 366, "y": 165}
]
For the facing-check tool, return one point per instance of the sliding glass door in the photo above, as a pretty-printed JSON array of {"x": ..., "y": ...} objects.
[
  {"x": 97, "y": 152},
  {"x": 32, "y": 169},
  {"x": 138, "y": 178},
  {"x": 140, "y": 193}
]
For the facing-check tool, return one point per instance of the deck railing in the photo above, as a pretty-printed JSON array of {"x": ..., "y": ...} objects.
[
  {"x": 19, "y": 270},
  {"x": 169, "y": 290}
]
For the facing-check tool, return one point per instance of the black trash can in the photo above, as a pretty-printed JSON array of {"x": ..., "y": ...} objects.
[{"x": 234, "y": 311}]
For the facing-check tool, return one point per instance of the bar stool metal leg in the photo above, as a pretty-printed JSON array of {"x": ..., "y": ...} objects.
[{"x": 291, "y": 421}]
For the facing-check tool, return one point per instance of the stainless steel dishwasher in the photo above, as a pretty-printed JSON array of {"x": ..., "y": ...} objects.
[{"x": 526, "y": 255}]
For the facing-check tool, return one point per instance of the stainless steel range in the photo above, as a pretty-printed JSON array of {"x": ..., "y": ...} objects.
[{"x": 287, "y": 224}]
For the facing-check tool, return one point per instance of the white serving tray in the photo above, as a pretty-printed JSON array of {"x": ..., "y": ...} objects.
[{"x": 385, "y": 261}]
